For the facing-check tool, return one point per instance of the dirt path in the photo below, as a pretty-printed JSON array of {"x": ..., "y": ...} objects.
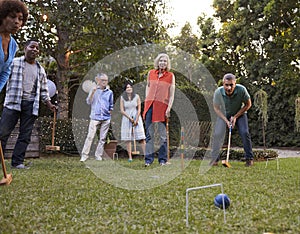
[
  {"x": 282, "y": 152},
  {"x": 285, "y": 153}
]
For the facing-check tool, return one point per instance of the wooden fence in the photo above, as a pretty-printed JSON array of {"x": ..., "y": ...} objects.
[
  {"x": 197, "y": 133},
  {"x": 33, "y": 150}
]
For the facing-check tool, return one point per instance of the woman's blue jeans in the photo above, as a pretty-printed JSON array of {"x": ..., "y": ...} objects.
[
  {"x": 219, "y": 135},
  {"x": 8, "y": 121},
  {"x": 150, "y": 151}
]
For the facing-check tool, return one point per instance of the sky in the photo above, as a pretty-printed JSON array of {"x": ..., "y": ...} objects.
[{"x": 182, "y": 11}]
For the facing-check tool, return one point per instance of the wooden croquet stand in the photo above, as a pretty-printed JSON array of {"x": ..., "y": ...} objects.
[
  {"x": 53, "y": 147},
  {"x": 111, "y": 148}
]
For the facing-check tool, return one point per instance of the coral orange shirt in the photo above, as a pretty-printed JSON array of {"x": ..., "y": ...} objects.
[{"x": 158, "y": 95}]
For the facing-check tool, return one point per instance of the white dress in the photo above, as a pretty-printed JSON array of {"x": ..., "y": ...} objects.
[{"x": 130, "y": 107}]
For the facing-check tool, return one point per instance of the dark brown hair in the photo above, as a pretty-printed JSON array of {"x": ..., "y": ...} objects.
[
  {"x": 13, "y": 6},
  {"x": 124, "y": 94},
  {"x": 30, "y": 40}
]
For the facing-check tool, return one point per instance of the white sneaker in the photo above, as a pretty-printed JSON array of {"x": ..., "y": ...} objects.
[
  {"x": 98, "y": 158},
  {"x": 83, "y": 158}
]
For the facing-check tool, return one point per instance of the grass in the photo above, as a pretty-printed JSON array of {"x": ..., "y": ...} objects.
[{"x": 62, "y": 195}]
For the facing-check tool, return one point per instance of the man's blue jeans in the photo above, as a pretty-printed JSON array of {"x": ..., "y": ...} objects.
[
  {"x": 162, "y": 153},
  {"x": 219, "y": 135},
  {"x": 8, "y": 121}
]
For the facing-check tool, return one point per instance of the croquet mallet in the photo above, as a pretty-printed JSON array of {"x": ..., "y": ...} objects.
[
  {"x": 134, "y": 152},
  {"x": 168, "y": 141},
  {"x": 53, "y": 147},
  {"x": 225, "y": 163},
  {"x": 7, "y": 179}
]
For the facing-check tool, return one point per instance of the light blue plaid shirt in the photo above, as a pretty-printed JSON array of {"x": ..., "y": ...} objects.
[
  {"x": 101, "y": 104},
  {"x": 14, "y": 89}
]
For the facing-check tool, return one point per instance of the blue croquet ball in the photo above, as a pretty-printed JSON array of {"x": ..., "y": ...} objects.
[{"x": 219, "y": 201}]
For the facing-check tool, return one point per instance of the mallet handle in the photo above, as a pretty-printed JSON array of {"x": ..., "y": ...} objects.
[
  {"x": 168, "y": 140},
  {"x": 229, "y": 141},
  {"x": 53, "y": 129},
  {"x": 2, "y": 162},
  {"x": 134, "y": 143}
]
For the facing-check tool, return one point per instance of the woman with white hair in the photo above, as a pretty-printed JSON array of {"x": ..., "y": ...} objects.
[{"x": 160, "y": 91}]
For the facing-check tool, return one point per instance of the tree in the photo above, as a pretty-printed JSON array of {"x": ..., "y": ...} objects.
[
  {"x": 261, "y": 104},
  {"x": 187, "y": 41},
  {"x": 297, "y": 115},
  {"x": 209, "y": 44},
  {"x": 260, "y": 40},
  {"x": 252, "y": 34},
  {"x": 77, "y": 33}
]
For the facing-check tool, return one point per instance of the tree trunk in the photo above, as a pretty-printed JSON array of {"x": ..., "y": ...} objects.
[
  {"x": 62, "y": 79},
  {"x": 264, "y": 133},
  {"x": 63, "y": 94}
]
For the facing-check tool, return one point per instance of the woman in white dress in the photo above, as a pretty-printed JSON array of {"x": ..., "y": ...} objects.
[{"x": 132, "y": 124}]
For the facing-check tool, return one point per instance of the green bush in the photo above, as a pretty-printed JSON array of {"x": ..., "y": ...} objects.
[
  {"x": 238, "y": 155},
  {"x": 63, "y": 134},
  {"x": 64, "y": 138}
]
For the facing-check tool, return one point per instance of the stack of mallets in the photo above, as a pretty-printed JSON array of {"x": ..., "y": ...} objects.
[
  {"x": 52, "y": 91},
  {"x": 53, "y": 147}
]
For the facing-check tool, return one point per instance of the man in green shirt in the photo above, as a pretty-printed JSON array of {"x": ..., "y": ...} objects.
[{"x": 231, "y": 102}]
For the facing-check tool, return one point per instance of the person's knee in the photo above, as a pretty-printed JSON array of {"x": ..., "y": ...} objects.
[
  {"x": 148, "y": 139},
  {"x": 245, "y": 134},
  {"x": 163, "y": 139},
  {"x": 90, "y": 138},
  {"x": 27, "y": 140},
  {"x": 218, "y": 135}
]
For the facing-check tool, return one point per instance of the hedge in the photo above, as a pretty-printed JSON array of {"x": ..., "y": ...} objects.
[{"x": 65, "y": 139}]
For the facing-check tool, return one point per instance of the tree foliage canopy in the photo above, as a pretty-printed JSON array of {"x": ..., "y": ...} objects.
[
  {"x": 77, "y": 33},
  {"x": 258, "y": 41}
]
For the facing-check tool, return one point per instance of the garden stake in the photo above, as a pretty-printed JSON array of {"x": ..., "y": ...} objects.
[
  {"x": 52, "y": 147},
  {"x": 182, "y": 148},
  {"x": 7, "y": 179},
  {"x": 225, "y": 163}
]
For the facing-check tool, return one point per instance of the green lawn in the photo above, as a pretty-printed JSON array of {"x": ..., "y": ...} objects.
[{"x": 61, "y": 195}]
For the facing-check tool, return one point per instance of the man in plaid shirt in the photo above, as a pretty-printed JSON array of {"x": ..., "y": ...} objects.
[{"x": 27, "y": 84}]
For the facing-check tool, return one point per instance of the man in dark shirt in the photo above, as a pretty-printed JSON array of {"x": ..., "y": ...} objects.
[{"x": 231, "y": 102}]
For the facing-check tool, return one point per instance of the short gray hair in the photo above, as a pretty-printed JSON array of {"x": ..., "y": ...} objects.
[
  {"x": 99, "y": 75},
  {"x": 229, "y": 76}
]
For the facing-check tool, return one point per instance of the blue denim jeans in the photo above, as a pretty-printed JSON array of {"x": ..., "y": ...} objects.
[
  {"x": 219, "y": 135},
  {"x": 8, "y": 121},
  {"x": 150, "y": 151}
]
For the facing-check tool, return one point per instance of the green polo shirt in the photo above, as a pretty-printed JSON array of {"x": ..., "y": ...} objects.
[{"x": 232, "y": 103}]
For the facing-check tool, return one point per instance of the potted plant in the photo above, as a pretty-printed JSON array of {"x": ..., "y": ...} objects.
[{"x": 111, "y": 143}]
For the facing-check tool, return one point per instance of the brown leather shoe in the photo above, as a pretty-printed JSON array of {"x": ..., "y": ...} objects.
[
  {"x": 249, "y": 163},
  {"x": 212, "y": 163}
]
